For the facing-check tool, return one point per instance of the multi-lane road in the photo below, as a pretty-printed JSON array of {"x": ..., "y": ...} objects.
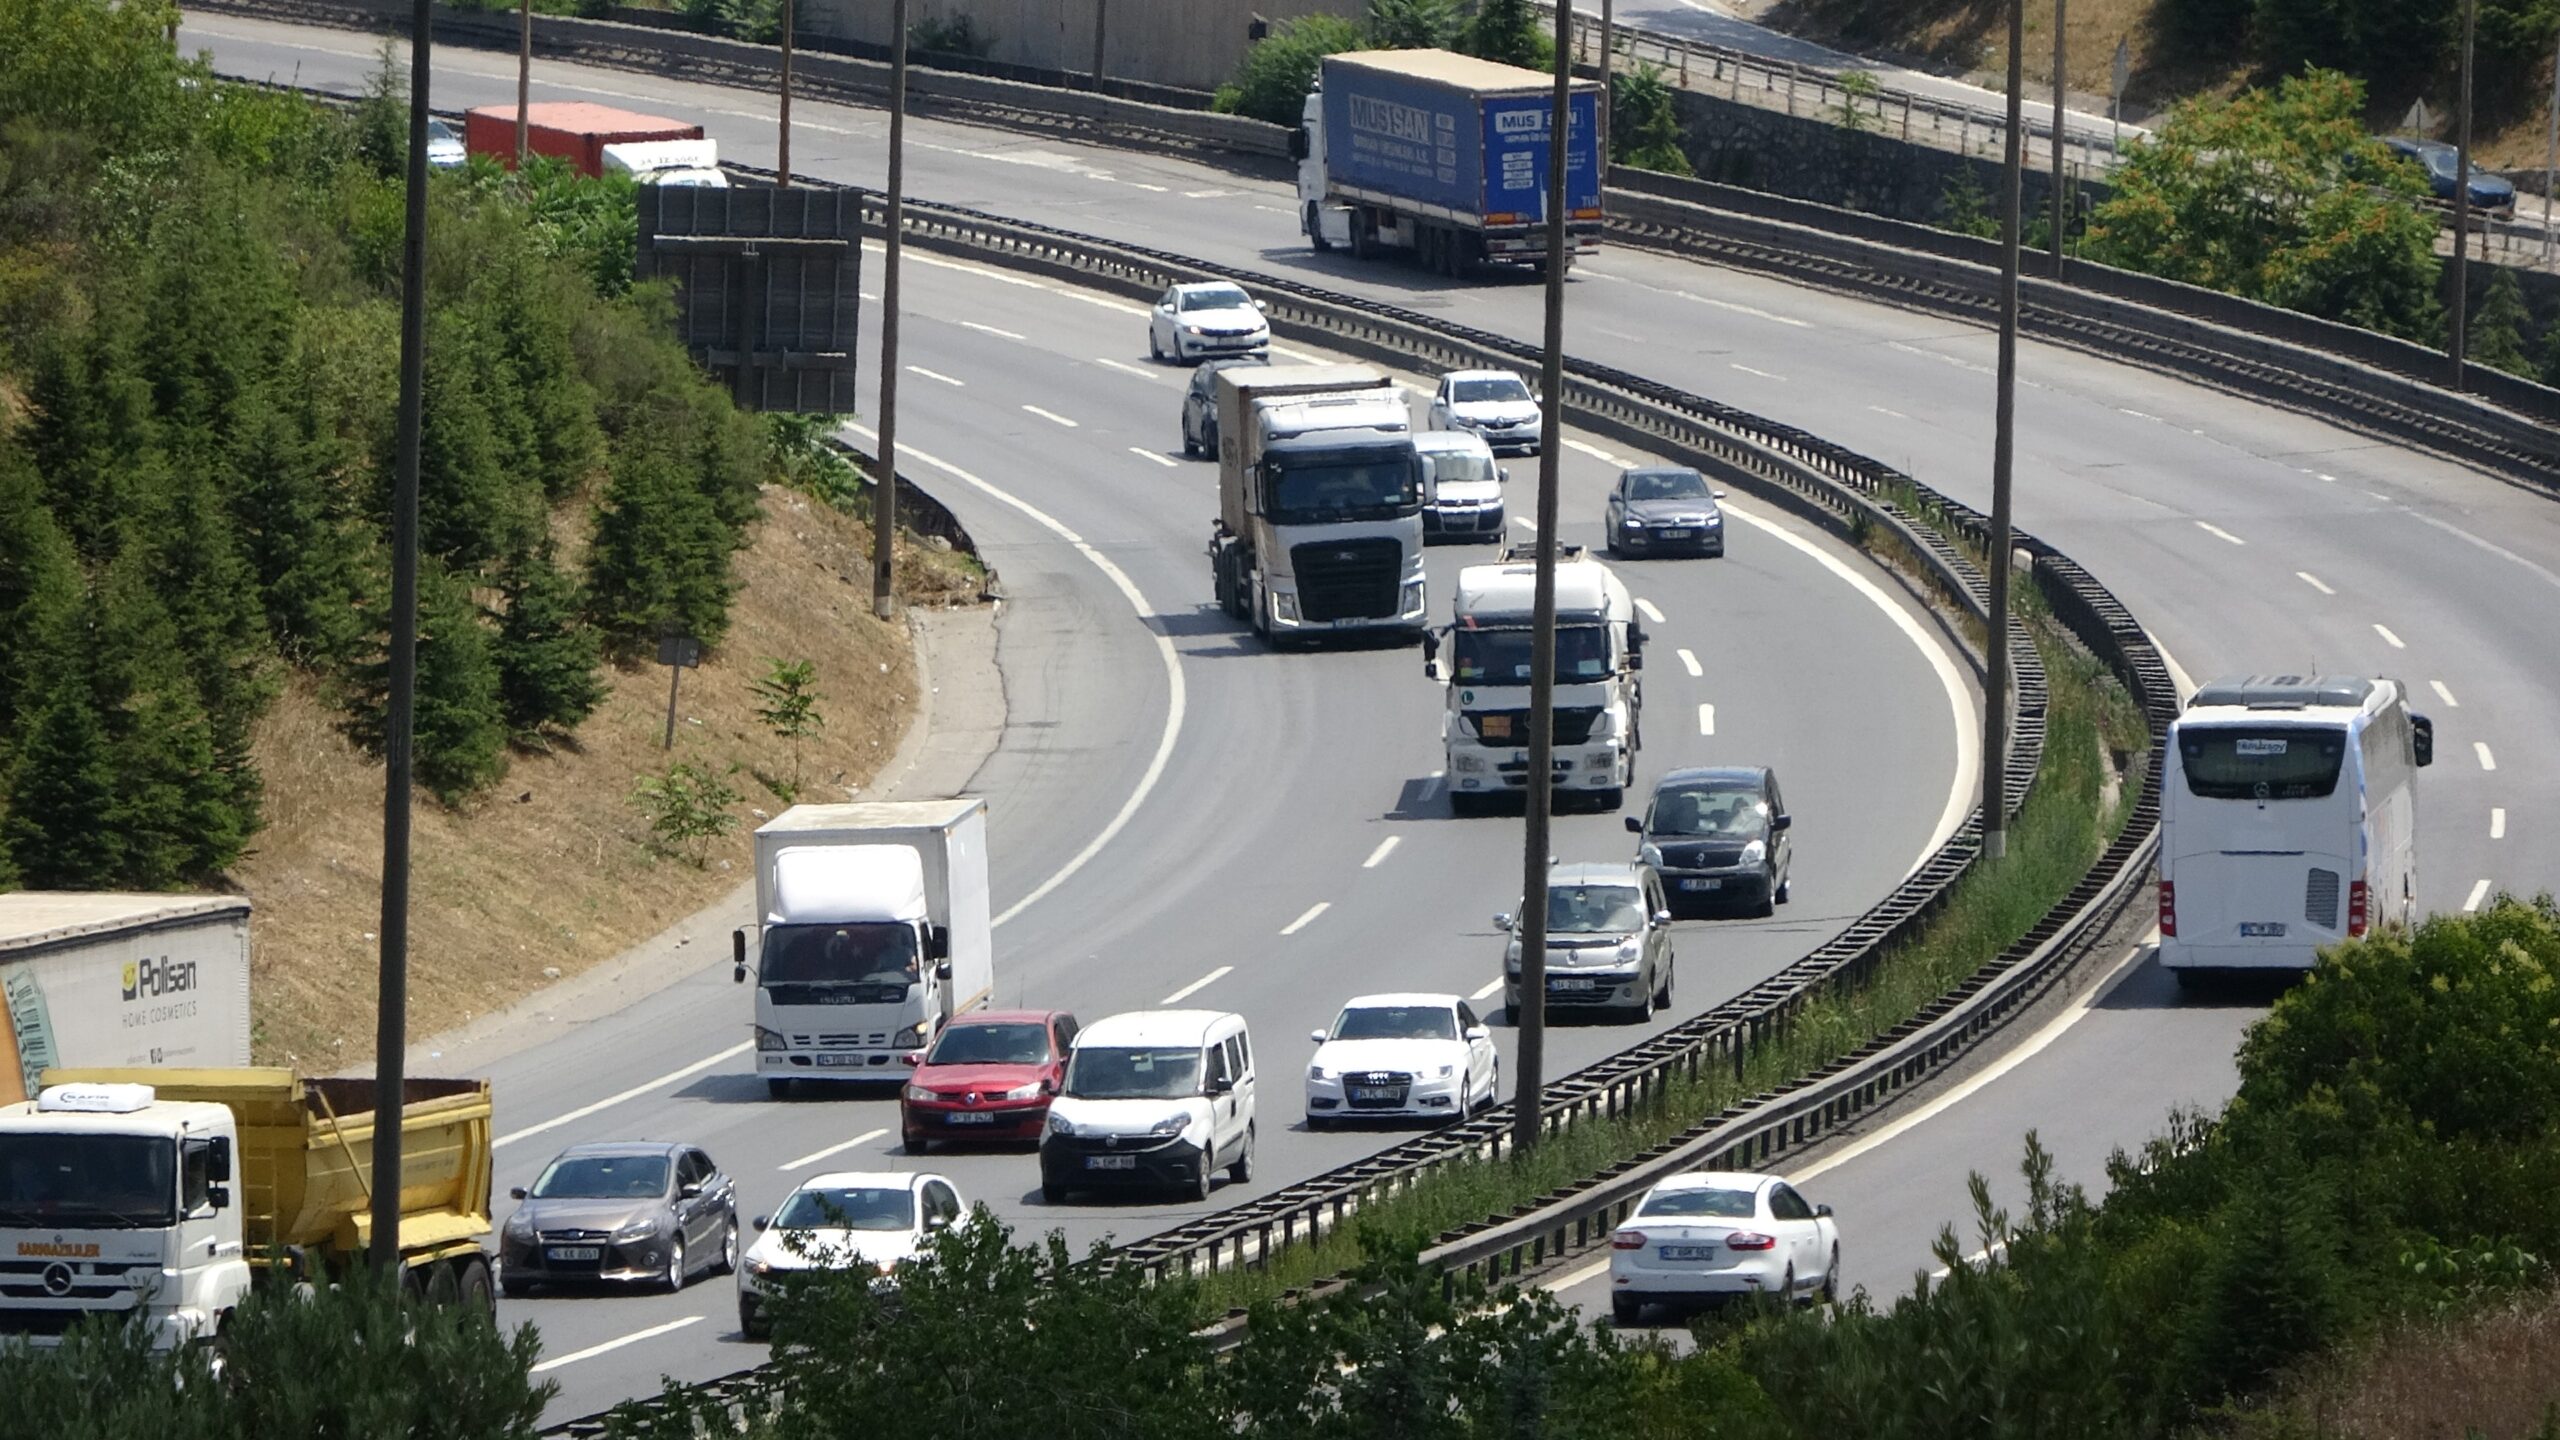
[{"x": 2245, "y": 537}]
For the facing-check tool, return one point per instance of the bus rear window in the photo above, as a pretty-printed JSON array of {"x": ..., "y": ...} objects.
[{"x": 2237, "y": 763}]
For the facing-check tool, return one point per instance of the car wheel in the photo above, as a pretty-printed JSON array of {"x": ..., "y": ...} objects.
[
  {"x": 1612, "y": 798},
  {"x": 1662, "y": 997},
  {"x": 1155, "y": 351},
  {"x": 1466, "y": 1106},
  {"x": 750, "y": 1326},
  {"x": 1190, "y": 447},
  {"x": 917, "y": 1144},
  {"x": 1768, "y": 897},
  {"x": 1830, "y": 1291},
  {"x": 1645, "y": 1007},
  {"x": 1208, "y": 1171},
  {"x": 676, "y": 1274},
  {"x": 777, "y": 1088},
  {"x": 728, "y": 1247},
  {"x": 1317, "y": 1124},
  {"x": 1242, "y": 1171},
  {"x": 1786, "y": 887},
  {"x": 513, "y": 1288},
  {"x": 1625, "y": 1310},
  {"x": 1052, "y": 1194}
]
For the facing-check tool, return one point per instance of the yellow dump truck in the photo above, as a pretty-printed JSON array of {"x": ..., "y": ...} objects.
[{"x": 117, "y": 1192}]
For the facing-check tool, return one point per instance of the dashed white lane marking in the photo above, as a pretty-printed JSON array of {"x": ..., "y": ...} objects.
[
  {"x": 1755, "y": 370},
  {"x": 1706, "y": 719},
  {"x": 1650, "y": 613},
  {"x": 1385, "y": 848},
  {"x": 1121, "y": 307},
  {"x": 634, "y": 1338},
  {"x": 867, "y": 295},
  {"x": 2445, "y": 695},
  {"x": 1052, "y": 416},
  {"x": 2394, "y": 641},
  {"x": 1690, "y": 659},
  {"x": 2479, "y": 893},
  {"x": 2218, "y": 533},
  {"x": 2487, "y": 760},
  {"x": 2307, "y": 578},
  {"x": 2498, "y": 822},
  {"x": 1166, "y": 461},
  {"x": 935, "y": 375},
  {"x": 1151, "y": 189},
  {"x": 2137, "y": 414},
  {"x": 2328, "y": 479},
  {"x": 1301, "y": 923},
  {"x": 1196, "y": 986},
  {"x": 2378, "y": 495},
  {"x": 1208, "y": 195},
  {"x": 1752, "y": 311},
  {"x": 636, "y": 1091},
  {"x": 1594, "y": 451},
  {"x": 989, "y": 330},
  {"x": 1489, "y": 987},
  {"x": 814, "y": 1156},
  {"x": 1881, "y": 410},
  {"x": 1525, "y": 523},
  {"x": 1125, "y": 368}
]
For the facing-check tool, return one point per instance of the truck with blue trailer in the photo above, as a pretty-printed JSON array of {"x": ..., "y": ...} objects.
[{"x": 1444, "y": 156}]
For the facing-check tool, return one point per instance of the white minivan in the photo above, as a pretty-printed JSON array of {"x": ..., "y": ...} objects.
[{"x": 1155, "y": 1099}]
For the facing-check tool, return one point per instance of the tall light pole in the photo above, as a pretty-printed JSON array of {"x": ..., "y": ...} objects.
[
  {"x": 1995, "y": 697},
  {"x": 2457, "y": 331},
  {"x": 524, "y": 77},
  {"x": 1538, "y": 795},
  {"x": 391, "y": 1012},
  {"x": 2061, "y": 194},
  {"x": 884, "y": 506},
  {"x": 782, "y": 164},
  {"x": 2551, "y": 165}
]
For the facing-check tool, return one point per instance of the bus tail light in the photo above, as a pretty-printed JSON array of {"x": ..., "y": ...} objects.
[
  {"x": 2356, "y": 911},
  {"x": 2168, "y": 908}
]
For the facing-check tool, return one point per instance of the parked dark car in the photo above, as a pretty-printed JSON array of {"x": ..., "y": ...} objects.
[
  {"x": 1664, "y": 508},
  {"x": 650, "y": 1212},
  {"x": 1718, "y": 836},
  {"x": 1200, "y": 405},
  {"x": 2440, "y": 163}
]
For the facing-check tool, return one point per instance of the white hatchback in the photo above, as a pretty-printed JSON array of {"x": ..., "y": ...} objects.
[
  {"x": 1402, "y": 1056},
  {"x": 1215, "y": 317},
  {"x": 845, "y": 1220},
  {"x": 1714, "y": 1234}
]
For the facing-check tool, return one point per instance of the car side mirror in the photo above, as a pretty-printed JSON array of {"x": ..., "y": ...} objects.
[
  {"x": 1430, "y": 669},
  {"x": 1479, "y": 1032},
  {"x": 1502, "y": 922},
  {"x": 1298, "y": 146},
  {"x": 218, "y": 1160},
  {"x": 763, "y": 1221},
  {"x": 1635, "y": 657},
  {"x": 1261, "y": 304},
  {"x": 516, "y": 1194},
  {"x": 942, "y": 970},
  {"x": 689, "y": 1190},
  {"x": 1317, "y": 1036},
  {"x": 1822, "y": 1212},
  {"x": 1719, "y": 494},
  {"x": 738, "y": 956},
  {"x": 1782, "y": 822},
  {"x": 1635, "y": 826},
  {"x": 2423, "y": 736},
  {"x": 936, "y": 1222},
  {"x": 912, "y": 1059},
  {"x": 1222, "y": 1086},
  {"x": 1661, "y": 917},
  {"x": 937, "y": 942},
  {"x": 1502, "y": 473},
  {"x": 218, "y": 1196}
]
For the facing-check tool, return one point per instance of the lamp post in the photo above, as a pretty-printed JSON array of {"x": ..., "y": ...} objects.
[
  {"x": 1995, "y": 698},
  {"x": 884, "y": 508}
]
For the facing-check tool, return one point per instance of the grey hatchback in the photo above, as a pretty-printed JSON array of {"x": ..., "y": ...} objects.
[
  {"x": 1608, "y": 942},
  {"x": 647, "y": 1211},
  {"x": 1718, "y": 834}
]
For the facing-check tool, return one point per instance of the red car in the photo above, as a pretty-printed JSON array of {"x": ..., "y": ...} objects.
[{"x": 989, "y": 1076}]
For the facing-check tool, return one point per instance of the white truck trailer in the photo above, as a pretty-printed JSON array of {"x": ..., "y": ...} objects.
[
  {"x": 100, "y": 979},
  {"x": 874, "y": 931}
]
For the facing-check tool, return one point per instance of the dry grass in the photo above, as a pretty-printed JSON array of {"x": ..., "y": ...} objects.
[
  {"x": 550, "y": 869},
  {"x": 2493, "y": 1373}
]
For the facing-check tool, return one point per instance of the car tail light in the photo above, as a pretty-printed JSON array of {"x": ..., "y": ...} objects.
[
  {"x": 2356, "y": 911},
  {"x": 1627, "y": 1240},
  {"x": 2168, "y": 908},
  {"x": 1750, "y": 1240}
]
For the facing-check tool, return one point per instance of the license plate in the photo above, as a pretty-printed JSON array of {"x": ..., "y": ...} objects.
[
  {"x": 970, "y": 1117},
  {"x": 1712, "y": 883},
  {"x": 574, "y": 1252},
  {"x": 841, "y": 1059},
  {"x": 1576, "y": 984},
  {"x": 1685, "y": 1252},
  {"x": 1373, "y": 1093},
  {"x": 2269, "y": 929},
  {"x": 1675, "y": 534},
  {"x": 1111, "y": 1162}
]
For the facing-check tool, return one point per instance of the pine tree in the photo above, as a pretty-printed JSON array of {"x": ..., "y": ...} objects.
[
  {"x": 61, "y": 795},
  {"x": 41, "y": 587},
  {"x": 2497, "y": 327},
  {"x": 546, "y": 656},
  {"x": 186, "y": 799},
  {"x": 1508, "y": 31},
  {"x": 528, "y": 310},
  {"x": 471, "y": 508},
  {"x": 660, "y": 561},
  {"x": 461, "y": 727}
]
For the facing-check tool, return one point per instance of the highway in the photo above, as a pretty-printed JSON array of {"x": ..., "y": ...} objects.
[{"x": 2245, "y": 537}]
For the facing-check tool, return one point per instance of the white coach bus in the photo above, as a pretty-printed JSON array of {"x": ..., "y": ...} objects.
[{"x": 2288, "y": 820}]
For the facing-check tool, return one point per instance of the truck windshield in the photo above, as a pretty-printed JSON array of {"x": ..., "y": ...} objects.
[
  {"x": 1501, "y": 657},
  {"x": 853, "y": 963},
  {"x": 1133, "y": 1073},
  {"x": 1344, "y": 485},
  {"x": 88, "y": 1182}
]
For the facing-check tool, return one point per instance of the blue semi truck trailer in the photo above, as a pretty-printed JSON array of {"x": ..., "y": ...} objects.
[{"x": 1443, "y": 156}]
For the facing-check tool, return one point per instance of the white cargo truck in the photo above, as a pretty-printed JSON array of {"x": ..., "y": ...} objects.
[
  {"x": 667, "y": 162},
  {"x": 873, "y": 932},
  {"x": 1599, "y": 687},
  {"x": 99, "y": 979}
]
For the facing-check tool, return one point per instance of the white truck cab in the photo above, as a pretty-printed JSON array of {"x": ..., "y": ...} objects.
[{"x": 1599, "y": 688}]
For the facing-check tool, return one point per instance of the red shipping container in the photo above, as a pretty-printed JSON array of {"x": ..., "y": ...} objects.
[{"x": 572, "y": 130}]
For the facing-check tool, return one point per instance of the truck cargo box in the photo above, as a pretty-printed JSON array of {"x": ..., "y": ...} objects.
[
  {"x": 112, "y": 979},
  {"x": 1454, "y": 136},
  {"x": 572, "y": 130}
]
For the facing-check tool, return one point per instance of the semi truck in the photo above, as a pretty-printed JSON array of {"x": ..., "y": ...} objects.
[
  {"x": 1599, "y": 685},
  {"x": 163, "y": 1195},
  {"x": 572, "y": 130},
  {"x": 1319, "y": 527},
  {"x": 1443, "y": 156},
  {"x": 872, "y": 932},
  {"x": 106, "y": 979}
]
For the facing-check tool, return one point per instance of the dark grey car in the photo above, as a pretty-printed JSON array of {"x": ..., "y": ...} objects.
[
  {"x": 1667, "y": 508},
  {"x": 1718, "y": 836},
  {"x": 651, "y": 1212},
  {"x": 1200, "y": 404}
]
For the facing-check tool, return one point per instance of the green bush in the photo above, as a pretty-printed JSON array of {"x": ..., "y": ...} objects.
[
  {"x": 1276, "y": 74},
  {"x": 1644, "y": 122}
]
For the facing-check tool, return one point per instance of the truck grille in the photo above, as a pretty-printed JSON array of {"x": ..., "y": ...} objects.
[
  {"x": 1349, "y": 579},
  {"x": 2320, "y": 899},
  {"x": 1511, "y": 727}
]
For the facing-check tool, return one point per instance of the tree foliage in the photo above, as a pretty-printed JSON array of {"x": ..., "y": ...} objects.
[
  {"x": 1273, "y": 80},
  {"x": 1644, "y": 123},
  {"x": 1509, "y": 31}
]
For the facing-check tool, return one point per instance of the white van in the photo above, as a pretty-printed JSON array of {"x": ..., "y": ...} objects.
[{"x": 1155, "y": 1099}]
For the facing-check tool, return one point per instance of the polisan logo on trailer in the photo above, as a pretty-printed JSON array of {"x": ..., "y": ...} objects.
[{"x": 149, "y": 979}]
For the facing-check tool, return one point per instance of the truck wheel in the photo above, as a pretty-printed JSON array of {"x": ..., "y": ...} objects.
[
  {"x": 777, "y": 1087},
  {"x": 1315, "y": 229},
  {"x": 1465, "y": 803},
  {"x": 1363, "y": 235},
  {"x": 1612, "y": 798}
]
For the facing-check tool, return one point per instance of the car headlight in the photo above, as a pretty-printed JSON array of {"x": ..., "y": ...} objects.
[
  {"x": 1023, "y": 1092},
  {"x": 1630, "y": 951},
  {"x": 1715, "y": 520},
  {"x": 1413, "y": 596},
  {"x": 1193, "y": 330},
  {"x": 1171, "y": 1125},
  {"x": 1318, "y": 1072},
  {"x": 907, "y": 1039},
  {"x": 520, "y": 1223},
  {"x": 1650, "y": 855},
  {"x": 1755, "y": 852},
  {"x": 1446, "y": 1071},
  {"x": 1630, "y": 522},
  {"x": 918, "y": 1092},
  {"x": 1284, "y": 604},
  {"x": 641, "y": 1230},
  {"x": 1060, "y": 1124},
  {"x": 759, "y": 1268},
  {"x": 767, "y": 1040}
]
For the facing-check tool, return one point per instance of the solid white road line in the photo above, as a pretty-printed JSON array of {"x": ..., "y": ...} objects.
[
  {"x": 1166, "y": 461},
  {"x": 2487, "y": 760},
  {"x": 2479, "y": 893},
  {"x": 636, "y": 1091},
  {"x": 2307, "y": 578},
  {"x": 1385, "y": 848},
  {"x": 2394, "y": 641},
  {"x": 2178, "y": 675},
  {"x": 935, "y": 375},
  {"x": 990, "y": 329},
  {"x": 2498, "y": 822},
  {"x": 1650, "y": 613},
  {"x": 1489, "y": 987},
  {"x": 814, "y": 1156},
  {"x": 634, "y": 1338},
  {"x": 1690, "y": 659},
  {"x": 1125, "y": 368},
  {"x": 1301, "y": 923},
  {"x": 1176, "y": 694},
  {"x": 1750, "y": 370},
  {"x": 1706, "y": 719},
  {"x": 1594, "y": 451},
  {"x": 2445, "y": 695},
  {"x": 1052, "y": 416},
  {"x": 2218, "y": 533},
  {"x": 1196, "y": 986}
]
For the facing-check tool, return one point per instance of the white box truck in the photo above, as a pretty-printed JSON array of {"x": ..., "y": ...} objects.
[
  {"x": 667, "y": 162},
  {"x": 873, "y": 930},
  {"x": 99, "y": 979}
]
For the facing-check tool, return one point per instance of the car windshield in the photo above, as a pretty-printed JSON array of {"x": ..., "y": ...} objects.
[
  {"x": 2237, "y": 762},
  {"x": 1345, "y": 486},
  {"x": 850, "y": 1207},
  {"x": 1449, "y": 465},
  {"x": 1667, "y": 485},
  {"x": 603, "y": 1177},
  {"x": 104, "y": 1182},
  {"x": 1594, "y": 909},
  {"x": 1022, "y": 1044},
  {"x": 1501, "y": 657},
  {"x": 1396, "y": 1022},
  {"x": 1215, "y": 297},
  {"x": 439, "y": 130},
  {"x": 1133, "y": 1072},
  {"x": 1731, "y": 808},
  {"x": 1500, "y": 387},
  {"x": 881, "y": 953},
  {"x": 1716, "y": 1204}
]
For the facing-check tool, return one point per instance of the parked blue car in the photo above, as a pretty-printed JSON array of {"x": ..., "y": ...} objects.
[{"x": 2489, "y": 193}]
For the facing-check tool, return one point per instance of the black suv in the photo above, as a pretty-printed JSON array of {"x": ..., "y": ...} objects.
[{"x": 1718, "y": 835}]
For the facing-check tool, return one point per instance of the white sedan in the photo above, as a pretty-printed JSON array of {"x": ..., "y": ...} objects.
[
  {"x": 842, "y": 1221},
  {"x": 1496, "y": 404},
  {"x": 1207, "y": 318},
  {"x": 1401, "y": 1057},
  {"x": 1712, "y": 1234}
]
